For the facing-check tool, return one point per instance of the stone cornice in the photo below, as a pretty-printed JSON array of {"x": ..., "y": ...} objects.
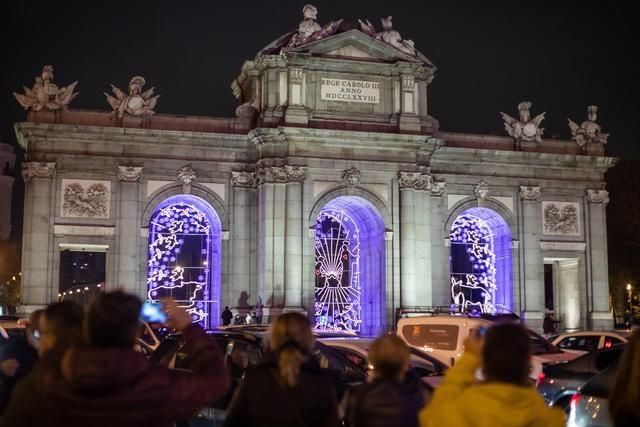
[
  {"x": 130, "y": 173},
  {"x": 262, "y": 136},
  {"x": 38, "y": 170}
]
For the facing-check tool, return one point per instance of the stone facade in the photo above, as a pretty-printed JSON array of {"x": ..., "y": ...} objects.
[{"x": 294, "y": 150}]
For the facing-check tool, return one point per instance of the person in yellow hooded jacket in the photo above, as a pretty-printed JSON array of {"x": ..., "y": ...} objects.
[{"x": 504, "y": 398}]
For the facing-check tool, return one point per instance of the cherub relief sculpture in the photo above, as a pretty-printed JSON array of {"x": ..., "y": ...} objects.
[
  {"x": 525, "y": 129},
  {"x": 309, "y": 30},
  {"x": 388, "y": 35},
  {"x": 588, "y": 132},
  {"x": 45, "y": 94},
  {"x": 136, "y": 103}
]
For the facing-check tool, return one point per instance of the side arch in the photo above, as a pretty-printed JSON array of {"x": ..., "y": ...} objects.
[
  {"x": 333, "y": 193},
  {"x": 471, "y": 202}
]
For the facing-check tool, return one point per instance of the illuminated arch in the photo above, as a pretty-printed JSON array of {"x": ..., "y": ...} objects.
[
  {"x": 184, "y": 256},
  {"x": 349, "y": 266},
  {"x": 481, "y": 278}
]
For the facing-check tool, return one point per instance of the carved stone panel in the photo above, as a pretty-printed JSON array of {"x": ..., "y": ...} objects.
[
  {"x": 83, "y": 198},
  {"x": 561, "y": 218}
]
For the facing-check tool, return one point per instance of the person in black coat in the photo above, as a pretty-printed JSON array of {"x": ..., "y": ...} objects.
[
  {"x": 288, "y": 388},
  {"x": 624, "y": 402},
  {"x": 394, "y": 396}
]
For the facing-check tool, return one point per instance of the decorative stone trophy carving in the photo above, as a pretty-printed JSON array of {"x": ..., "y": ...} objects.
[
  {"x": 309, "y": 30},
  {"x": 45, "y": 94},
  {"x": 588, "y": 132},
  {"x": 525, "y": 129},
  {"x": 130, "y": 173},
  {"x": 388, "y": 35},
  {"x": 136, "y": 103},
  {"x": 415, "y": 180},
  {"x": 284, "y": 174},
  {"x": 351, "y": 177}
]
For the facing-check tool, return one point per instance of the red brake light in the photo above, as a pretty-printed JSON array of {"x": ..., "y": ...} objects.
[
  {"x": 575, "y": 400},
  {"x": 541, "y": 377},
  {"x": 608, "y": 344}
]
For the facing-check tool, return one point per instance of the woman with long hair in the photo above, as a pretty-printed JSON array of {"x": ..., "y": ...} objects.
[
  {"x": 288, "y": 388},
  {"x": 624, "y": 404}
]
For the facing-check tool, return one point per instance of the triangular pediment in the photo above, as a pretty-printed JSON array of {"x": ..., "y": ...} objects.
[{"x": 358, "y": 45}]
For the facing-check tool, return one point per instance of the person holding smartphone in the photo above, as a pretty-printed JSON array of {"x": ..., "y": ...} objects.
[{"x": 107, "y": 383}]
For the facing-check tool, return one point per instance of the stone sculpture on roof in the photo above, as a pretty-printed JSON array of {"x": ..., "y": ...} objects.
[
  {"x": 525, "y": 129},
  {"x": 588, "y": 132},
  {"x": 136, "y": 103},
  {"x": 388, "y": 35},
  {"x": 309, "y": 30},
  {"x": 45, "y": 94}
]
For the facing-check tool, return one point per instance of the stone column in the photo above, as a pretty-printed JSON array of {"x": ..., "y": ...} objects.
[
  {"x": 37, "y": 238},
  {"x": 601, "y": 316},
  {"x": 409, "y": 120},
  {"x": 128, "y": 229},
  {"x": 243, "y": 183},
  {"x": 439, "y": 262},
  {"x": 293, "y": 239},
  {"x": 533, "y": 293},
  {"x": 296, "y": 112}
]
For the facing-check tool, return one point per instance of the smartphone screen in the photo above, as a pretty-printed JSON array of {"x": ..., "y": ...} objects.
[{"x": 152, "y": 312}]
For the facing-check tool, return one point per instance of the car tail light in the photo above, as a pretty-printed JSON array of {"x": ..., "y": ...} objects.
[
  {"x": 575, "y": 400},
  {"x": 608, "y": 344},
  {"x": 541, "y": 377}
]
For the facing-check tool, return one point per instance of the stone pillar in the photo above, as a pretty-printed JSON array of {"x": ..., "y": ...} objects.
[
  {"x": 409, "y": 120},
  {"x": 293, "y": 239},
  {"x": 37, "y": 238},
  {"x": 408, "y": 291},
  {"x": 533, "y": 265},
  {"x": 440, "y": 266},
  {"x": 128, "y": 229},
  {"x": 296, "y": 112},
  {"x": 599, "y": 309},
  {"x": 241, "y": 286}
]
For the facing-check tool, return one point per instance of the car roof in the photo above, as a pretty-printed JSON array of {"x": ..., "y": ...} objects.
[{"x": 589, "y": 333}]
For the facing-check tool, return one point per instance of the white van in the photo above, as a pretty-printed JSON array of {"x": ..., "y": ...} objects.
[{"x": 443, "y": 337}]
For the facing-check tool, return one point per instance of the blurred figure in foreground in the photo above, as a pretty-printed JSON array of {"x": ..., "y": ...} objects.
[
  {"x": 60, "y": 327},
  {"x": 18, "y": 357},
  {"x": 394, "y": 395},
  {"x": 624, "y": 404},
  {"x": 288, "y": 389},
  {"x": 505, "y": 398},
  {"x": 107, "y": 383}
]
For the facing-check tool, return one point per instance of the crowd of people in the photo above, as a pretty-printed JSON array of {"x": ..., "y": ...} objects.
[{"x": 79, "y": 368}]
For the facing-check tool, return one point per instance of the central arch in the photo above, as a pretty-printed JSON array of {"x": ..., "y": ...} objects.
[
  {"x": 349, "y": 266},
  {"x": 481, "y": 278}
]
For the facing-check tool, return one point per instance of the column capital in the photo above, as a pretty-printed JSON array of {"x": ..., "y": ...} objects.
[
  {"x": 285, "y": 174},
  {"x": 597, "y": 196},
  {"x": 130, "y": 173},
  {"x": 529, "y": 193},
  {"x": 437, "y": 189},
  {"x": 415, "y": 181},
  {"x": 244, "y": 179},
  {"x": 38, "y": 170}
]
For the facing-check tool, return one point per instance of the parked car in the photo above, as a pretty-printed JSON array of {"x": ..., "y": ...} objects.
[
  {"x": 590, "y": 406},
  {"x": 252, "y": 341},
  {"x": 560, "y": 381},
  {"x": 427, "y": 367},
  {"x": 586, "y": 341},
  {"x": 443, "y": 336}
]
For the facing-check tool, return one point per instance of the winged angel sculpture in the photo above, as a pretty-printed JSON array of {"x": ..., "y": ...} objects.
[
  {"x": 45, "y": 94},
  {"x": 588, "y": 132},
  {"x": 136, "y": 103},
  {"x": 525, "y": 129}
]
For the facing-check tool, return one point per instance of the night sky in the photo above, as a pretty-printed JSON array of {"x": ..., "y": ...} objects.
[{"x": 562, "y": 56}]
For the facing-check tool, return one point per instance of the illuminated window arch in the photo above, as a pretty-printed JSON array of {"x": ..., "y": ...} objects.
[
  {"x": 481, "y": 261},
  {"x": 349, "y": 269},
  {"x": 184, "y": 256}
]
